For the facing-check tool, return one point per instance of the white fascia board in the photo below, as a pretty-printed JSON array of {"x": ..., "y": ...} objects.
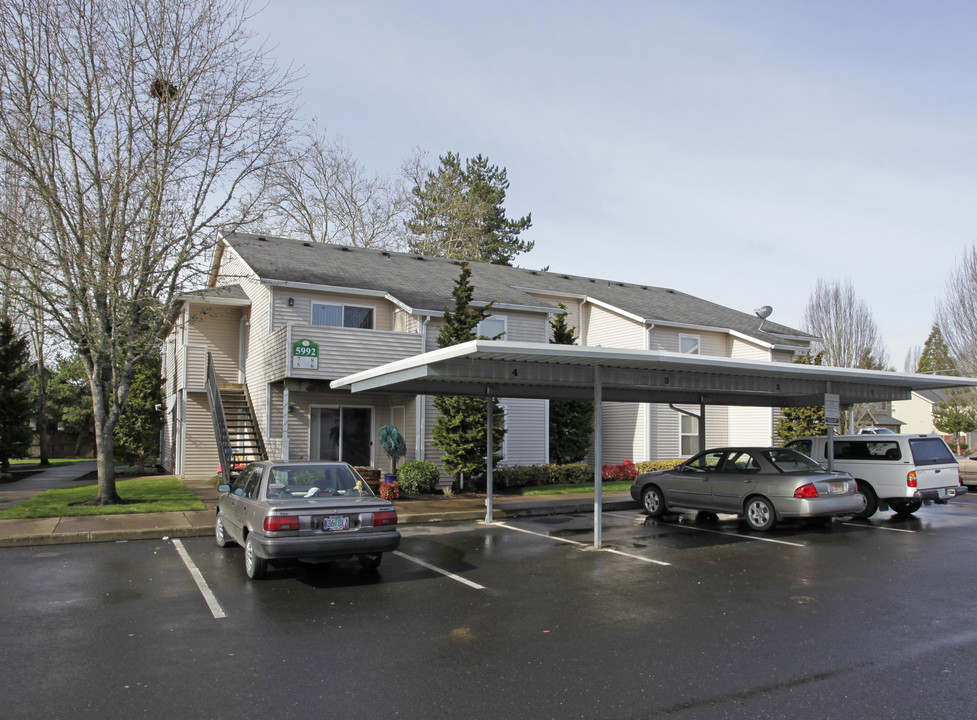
[
  {"x": 550, "y": 293},
  {"x": 749, "y": 339},
  {"x": 617, "y": 310},
  {"x": 324, "y": 288}
]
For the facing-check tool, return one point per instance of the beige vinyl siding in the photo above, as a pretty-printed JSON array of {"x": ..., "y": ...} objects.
[
  {"x": 782, "y": 355},
  {"x": 749, "y": 425},
  {"x": 609, "y": 329},
  {"x": 526, "y": 431},
  {"x": 200, "y": 456},
  {"x": 622, "y": 432},
  {"x": 573, "y": 309},
  {"x": 218, "y": 329},
  {"x": 300, "y": 313},
  {"x": 344, "y": 351}
]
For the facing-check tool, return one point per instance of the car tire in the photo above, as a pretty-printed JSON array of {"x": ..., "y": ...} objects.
[
  {"x": 371, "y": 561},
  {"x": 871, "y": 501},
  {"x": 759, "y": 513},
  {"x": 254, "y": 566},
  {"x": 220, "y": 532},
  {"x": 905, "y": 507},
  {"x": 653, "y": 501}
]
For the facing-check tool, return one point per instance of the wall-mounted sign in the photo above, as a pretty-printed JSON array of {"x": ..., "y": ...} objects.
[
  {"x": 305, "y": 355},
  {"x": 832, "y": 412}
]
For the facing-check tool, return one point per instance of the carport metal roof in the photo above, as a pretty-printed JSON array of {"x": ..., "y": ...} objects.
[{"x": 570, "y": 372}]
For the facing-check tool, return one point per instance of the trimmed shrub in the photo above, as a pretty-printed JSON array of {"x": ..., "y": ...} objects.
[
  {"x": 654, "y": 465},
  {"x": 626, "y": 471},
  {"x": 418, "y": 476},
  {"x": 572, "y": 474}
]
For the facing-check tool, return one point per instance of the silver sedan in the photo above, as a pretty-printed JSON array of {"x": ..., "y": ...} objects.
[
  {"x": 764, "y": 485},
  {"x": 309, "y": 511}
]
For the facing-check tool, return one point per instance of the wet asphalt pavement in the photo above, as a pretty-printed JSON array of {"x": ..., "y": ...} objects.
[{"x": 683, "y": 619}]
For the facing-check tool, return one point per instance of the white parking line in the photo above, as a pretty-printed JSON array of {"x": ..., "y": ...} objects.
[
  {"x": 582, "y": 545},
  {"x": 215, "y": 609},
  {"x": 722, "y": 532},
  {"x": 420, "y": 562},
  {"x": 877, "y": 527}
]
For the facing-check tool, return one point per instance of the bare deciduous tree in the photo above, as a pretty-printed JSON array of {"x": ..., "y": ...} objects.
[
  {"x": 321, "y": 193},
  {"x": 956, "y": 312},
  {"x": 848, "y": 334},
  {"x": 135, "y": 124}
]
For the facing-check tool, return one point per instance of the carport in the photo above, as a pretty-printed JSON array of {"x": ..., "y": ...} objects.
[{"x": 493, "y": 368}]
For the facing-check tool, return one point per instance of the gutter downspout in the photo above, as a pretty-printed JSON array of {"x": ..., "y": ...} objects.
[{"x": 421, "y": 404}]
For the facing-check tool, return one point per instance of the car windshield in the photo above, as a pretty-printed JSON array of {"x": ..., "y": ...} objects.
[
  {"x": 786, "y": 460},
  {"x": 316, "y": 481}
]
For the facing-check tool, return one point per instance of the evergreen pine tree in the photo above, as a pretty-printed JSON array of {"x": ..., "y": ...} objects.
[
  {"x": 571, "y": 421},
  {"x": 795, "y": 422},
  {"x": 137, "y": 433},
  {"x": 459, "y": 212},
  {"x": 936, "y": 358},
  {"x": 15, "y": 403},
  {"x": 460, "y": 431}
]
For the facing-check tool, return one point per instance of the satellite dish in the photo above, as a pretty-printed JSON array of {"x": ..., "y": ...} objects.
[{"x": 763, "y": 312}]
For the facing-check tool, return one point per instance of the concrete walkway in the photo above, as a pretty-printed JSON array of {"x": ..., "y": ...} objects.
[{"x": 115, "y": 528}]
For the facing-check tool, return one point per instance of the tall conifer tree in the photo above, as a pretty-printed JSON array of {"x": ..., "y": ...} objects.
[
  {"x": 460, "y": 430},
  {"x": 571, "y": 421}
]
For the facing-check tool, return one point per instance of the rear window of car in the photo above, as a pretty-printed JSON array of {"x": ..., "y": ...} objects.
[
  {"x": 867, "y": 450},
  {"x": 930, "y": 451},
  {"x": 787, "y": 460}
]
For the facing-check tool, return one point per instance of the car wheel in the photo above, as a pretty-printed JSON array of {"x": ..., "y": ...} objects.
[
  {"x": 905, "y": 507},
  {"x": 254, "y": 566},
  {"x": 760, "y": 515},
  {"x": 220, "y": 534},
  {"x": 871, "y": 501},
  {"x": 653, "y": 501},
  {"x": 371, "y": 561}
]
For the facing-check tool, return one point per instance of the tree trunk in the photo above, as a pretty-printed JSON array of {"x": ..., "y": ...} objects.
[{"x": 104, "y": 450}]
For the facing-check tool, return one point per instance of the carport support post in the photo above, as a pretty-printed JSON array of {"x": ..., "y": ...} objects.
[
  {"x": 598, "y": 466},
  {"x": 490, "y": 409}
]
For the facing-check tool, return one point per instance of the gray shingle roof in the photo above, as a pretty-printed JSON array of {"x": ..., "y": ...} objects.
[{"x": 425, "y": 283}]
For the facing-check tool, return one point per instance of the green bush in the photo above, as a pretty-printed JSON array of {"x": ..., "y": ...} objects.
[
  {"x": 572, "y": 474},
  {"x": 653, "y": 465},
  {"x": 418, "y": 476}
]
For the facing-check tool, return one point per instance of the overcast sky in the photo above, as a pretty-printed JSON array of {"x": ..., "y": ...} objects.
[{"x": 736, "y": 150}]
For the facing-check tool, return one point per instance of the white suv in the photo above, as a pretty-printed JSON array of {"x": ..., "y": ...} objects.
[{"x": 897, "y": 472}]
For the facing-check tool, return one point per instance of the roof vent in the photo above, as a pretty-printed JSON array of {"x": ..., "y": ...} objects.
[
  {"x": 261, "y": 239},
  {"x": 307, "y": 244},
  {"x": 344, "y": 248},
  {"x": 385, "y": 253}
]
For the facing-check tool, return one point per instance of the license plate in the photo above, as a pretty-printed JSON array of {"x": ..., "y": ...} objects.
[
  {"x": 335, "y": 522},
  {"x": 837, "y": 487}
]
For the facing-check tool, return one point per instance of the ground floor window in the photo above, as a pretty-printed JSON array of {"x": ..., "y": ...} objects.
[
  {"x": 342, "y": 433},
  {"x": 690, "y": 435}
]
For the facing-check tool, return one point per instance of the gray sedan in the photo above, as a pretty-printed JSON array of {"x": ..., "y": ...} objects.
[
  {"x": 309, "y": 511},
  {"x": 763, "y": 485}
]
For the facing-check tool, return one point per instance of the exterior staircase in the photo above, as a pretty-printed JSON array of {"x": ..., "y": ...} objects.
[
  {"x": 235, "y": 425},
  {"x": 242, "y": 426}
]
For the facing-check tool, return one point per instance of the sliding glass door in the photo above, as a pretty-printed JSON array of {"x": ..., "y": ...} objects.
[{"x": 342, "y": 433}]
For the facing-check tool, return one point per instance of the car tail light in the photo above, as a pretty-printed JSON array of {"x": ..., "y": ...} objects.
[
  {"x": 911, "y": 478},
  {"x": 277, "y": 523},
  {"x": 387, "y": 517},
  {"x": 806, "y": 491}
]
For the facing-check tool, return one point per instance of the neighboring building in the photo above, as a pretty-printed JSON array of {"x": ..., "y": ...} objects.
[{"x": 272, "y": 301}]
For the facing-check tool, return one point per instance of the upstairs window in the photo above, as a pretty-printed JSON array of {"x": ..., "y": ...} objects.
[
  {"x": 350, "y": 316},
  {"x": 493, "y": 328},
  {"x": 688, "y": 344}
]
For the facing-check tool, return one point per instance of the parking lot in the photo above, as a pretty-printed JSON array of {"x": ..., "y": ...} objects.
[{"x": 675, "y": 618}]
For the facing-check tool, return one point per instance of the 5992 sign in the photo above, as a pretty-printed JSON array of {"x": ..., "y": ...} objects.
[{"x": 305, "y": 355}]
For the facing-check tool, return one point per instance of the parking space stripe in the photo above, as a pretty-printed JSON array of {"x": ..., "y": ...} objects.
[
  {"x": 580, "y": 544},
  {"x": 458, "y": 578},
  {"x": 723, "y": 532},
  {"x": 215, "y": 609},
  {"x": 877, "y": 527}
]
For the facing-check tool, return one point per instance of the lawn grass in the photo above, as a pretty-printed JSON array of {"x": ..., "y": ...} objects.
[
  {"x": 577, "y": 488},
  {"x": 34, "y": 463},
  {"x": 141, "y": 495}
]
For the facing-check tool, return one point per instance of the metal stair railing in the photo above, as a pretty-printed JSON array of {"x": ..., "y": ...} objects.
[{"x": 221, "y": 433}]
